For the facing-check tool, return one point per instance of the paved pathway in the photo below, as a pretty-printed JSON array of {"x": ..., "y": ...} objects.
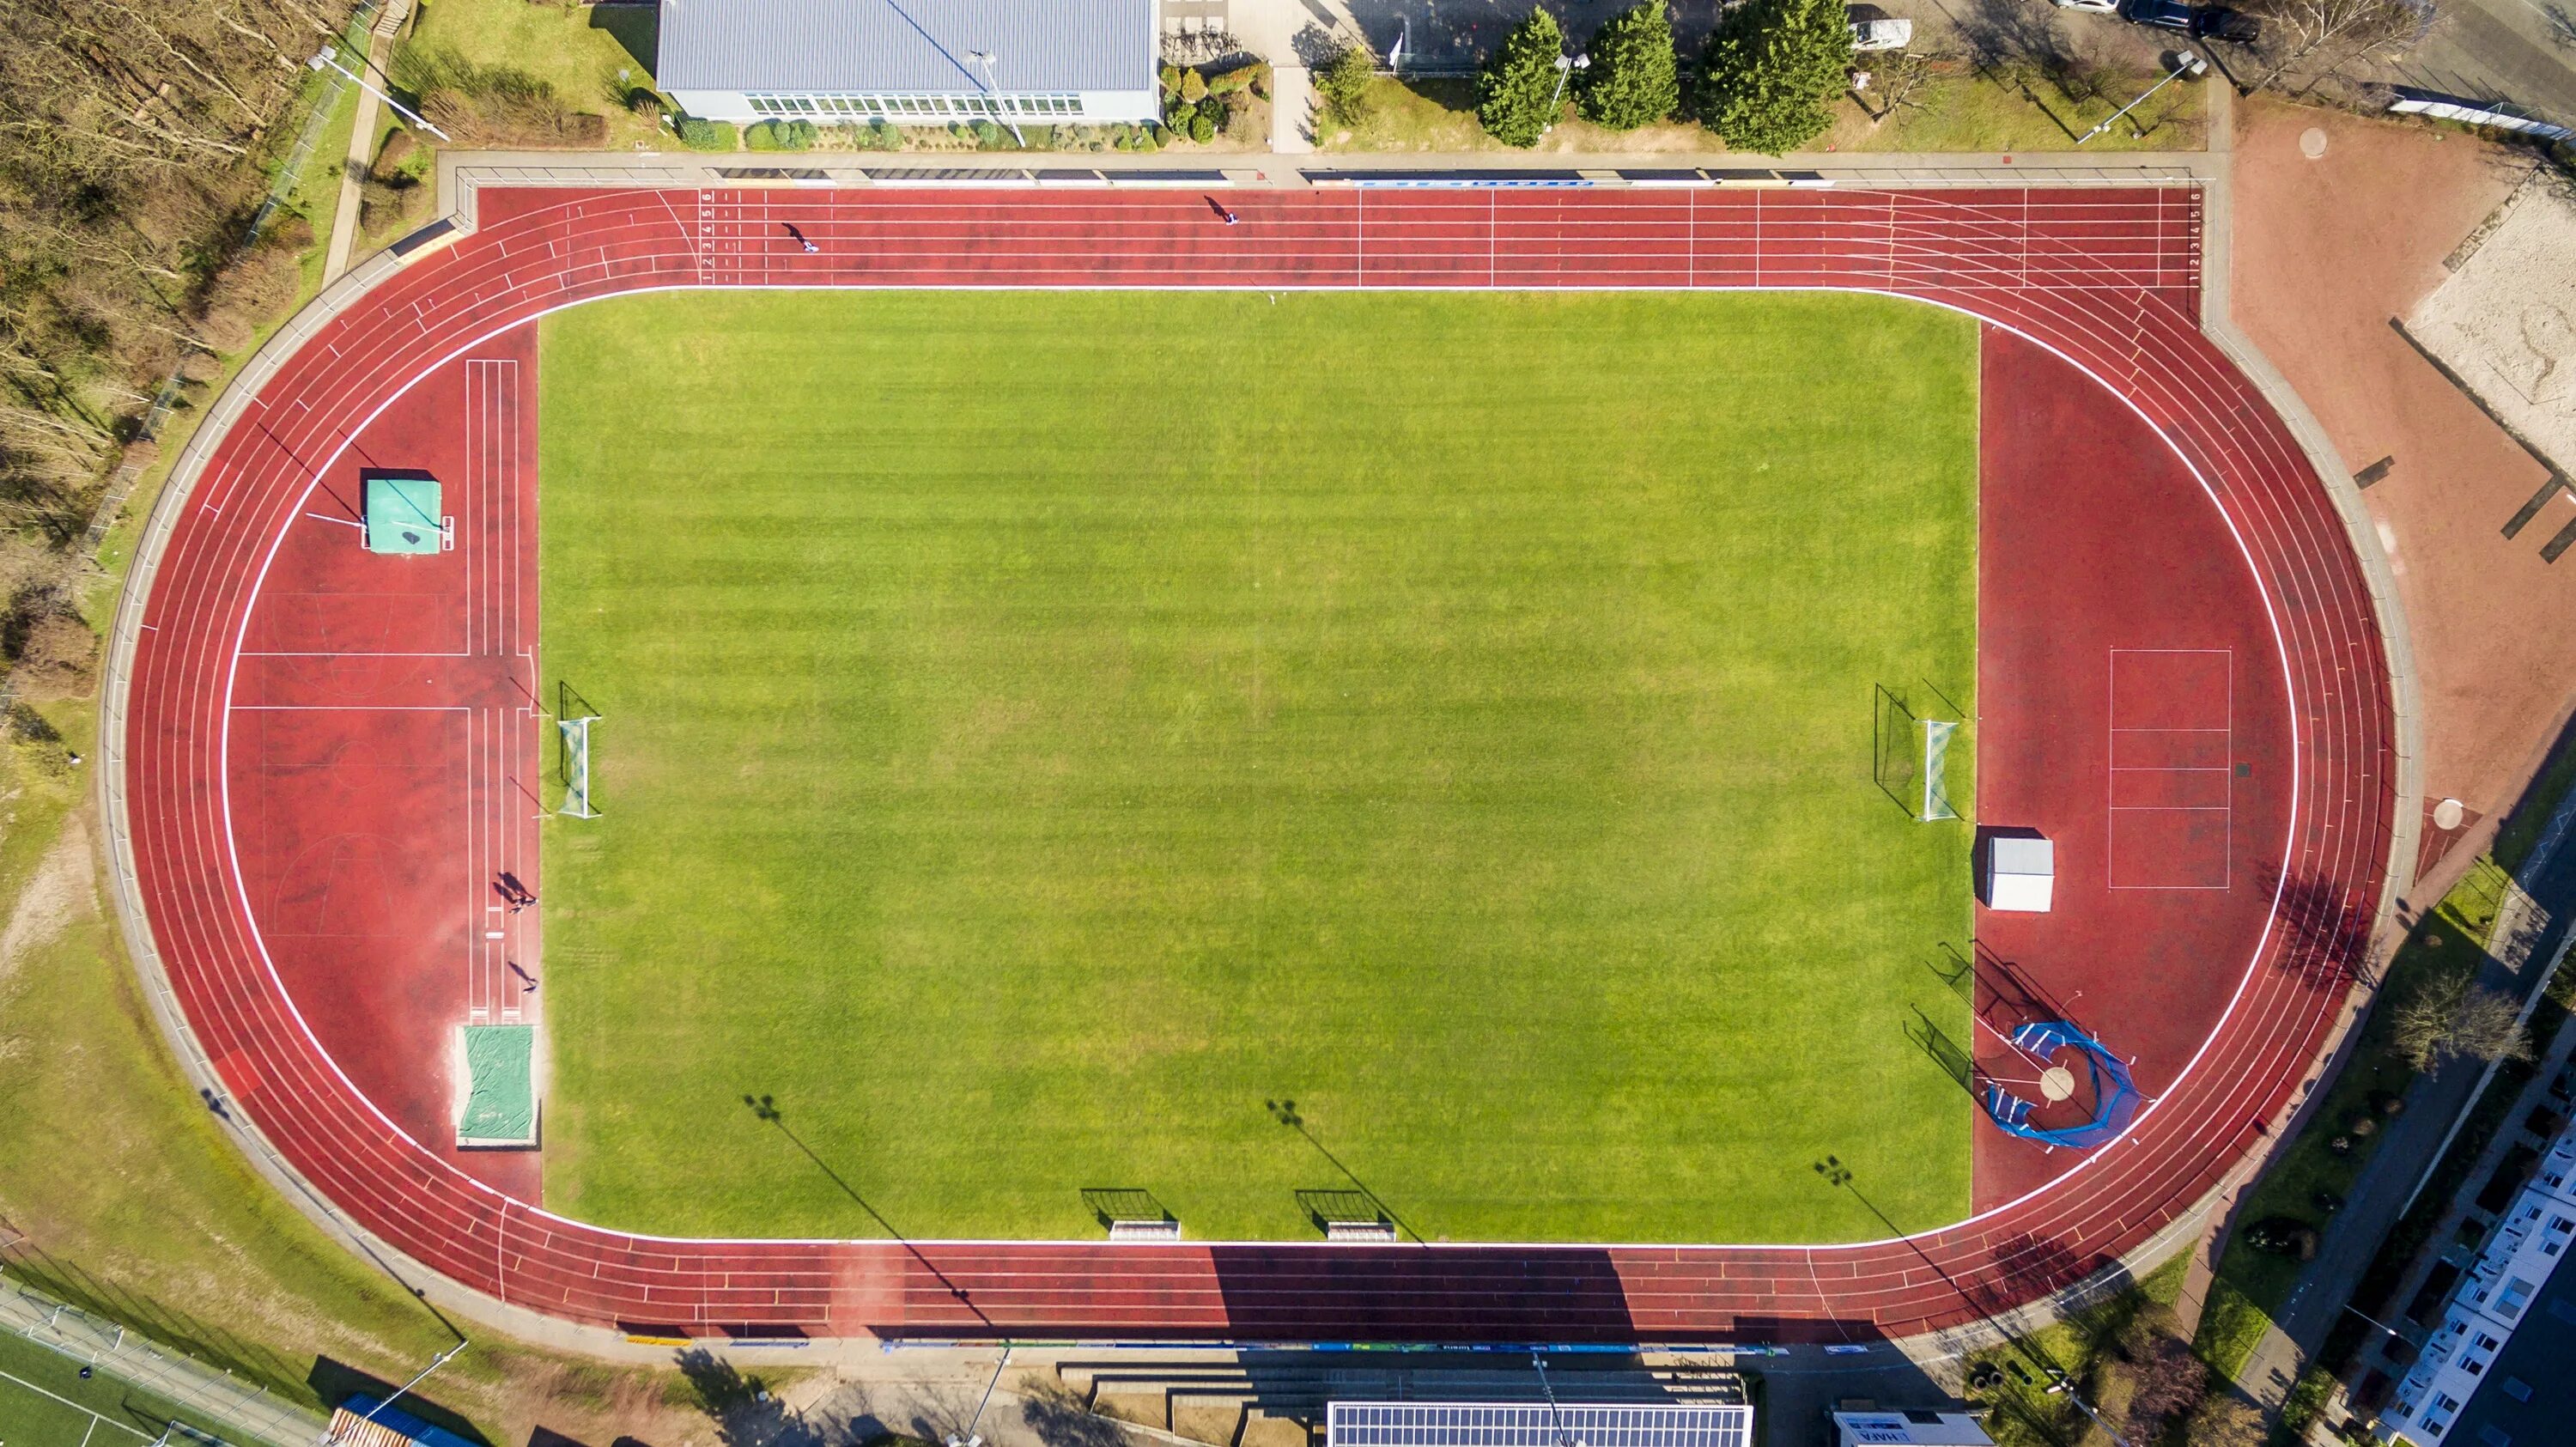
[{"x": 362, "y": 141}]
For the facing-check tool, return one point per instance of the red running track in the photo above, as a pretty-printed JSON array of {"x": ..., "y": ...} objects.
[{"x": 2106, "y": 279}]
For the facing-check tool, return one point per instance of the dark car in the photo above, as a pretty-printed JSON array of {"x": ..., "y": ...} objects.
[
  {"x": 2162, "y": 14},
  {"x": 2217, "y": 22}
]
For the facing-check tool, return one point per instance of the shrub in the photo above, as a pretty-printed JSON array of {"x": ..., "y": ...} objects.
[
  {"x": 57, "y": 659},
  {"x": 258, "y": 284},
  {"x": 878, "y": 135},
  {"x": 1519, "y": 80},
  {"x": 1202, "y": 130},
  {"x": 388, "y": 204},
  {"x": 780, "y": 136},
  {"x": 1770, "y": 70},
  {"x": 1149, "y": 138},
  {"x": 223, "y": 331},
  {"x": 990, "y": 135},
  {"x": 1633, "y": 80},
  {"x": 398, "y": 149},
  {"x": 289, "y": 232},
  {"x": 704, "y": 135},
  {"x": 1254, "y": 78},
  {"x": 1194, "y": 87},
  {"x": 645, "y": 105},
  {"x": 1170, "y": 76},
  {"x": 1343, "y": 84},
  {"x": 498, "y": 105}
]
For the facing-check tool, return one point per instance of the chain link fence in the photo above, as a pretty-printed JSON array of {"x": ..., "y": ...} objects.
[{"x": 245, "y": 1416}]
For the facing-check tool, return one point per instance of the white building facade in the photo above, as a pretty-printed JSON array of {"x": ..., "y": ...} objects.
[
  {"x": 2489, "y": 1302},
  {"x": 912, "y": 62}
]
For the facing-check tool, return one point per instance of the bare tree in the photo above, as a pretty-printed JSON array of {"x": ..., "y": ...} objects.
[
  {"x": 2450, "y": 1016},
  {"x": 2341, "y": 31},
  {"x": 1897, "y": 85}
]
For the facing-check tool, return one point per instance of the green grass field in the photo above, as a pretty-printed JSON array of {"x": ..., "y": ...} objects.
[{"x": 1042, "y": 731}]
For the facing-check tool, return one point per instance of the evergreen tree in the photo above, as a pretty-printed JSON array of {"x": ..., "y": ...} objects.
[
  {"x": 1512, "y": 94},
  {"x": 1344, "y": 82},
  {"x": 1632, "y": 81},
  {"x": 1771, "y": 69}
]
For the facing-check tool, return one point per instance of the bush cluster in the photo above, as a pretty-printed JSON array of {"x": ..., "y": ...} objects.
[
  {"x": 1199, "y": 105},
  {"x": 779, "y": 136},
  {"x": 700, "y": 134}
]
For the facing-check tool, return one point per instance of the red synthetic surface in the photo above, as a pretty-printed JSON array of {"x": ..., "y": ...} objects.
[
  {"x": 2095, "y": 543},
  {"x": 380, "y": 709},
  {"x": 2109, "y": 278}
]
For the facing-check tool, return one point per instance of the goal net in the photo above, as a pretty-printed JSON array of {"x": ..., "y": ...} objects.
[
  {"x": 1936, "y": 755},
  {"x": 576, "y": 747}
]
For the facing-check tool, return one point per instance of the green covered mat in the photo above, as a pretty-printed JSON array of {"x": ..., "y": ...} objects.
[
  {"x": 501, "y": 1097},
  {"x": 402, "y": 515}
]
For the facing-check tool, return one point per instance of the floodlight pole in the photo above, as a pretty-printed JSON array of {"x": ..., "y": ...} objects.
[
  {"x": 323, "y": 57},
  {"x": 1566, "y": 66},
  {"x": 968, "y": 1438},
  {"x": 435, "y": 1363},
  {"x": 992, "y": 92},
  {"x": 1556, "y": 1417},
  {"x": 2185, "y": 63}
]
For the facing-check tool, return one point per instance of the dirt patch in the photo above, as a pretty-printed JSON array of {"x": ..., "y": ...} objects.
[
  {"x": 60, "y": 892},
  {"x": 2330, "y": 249}
]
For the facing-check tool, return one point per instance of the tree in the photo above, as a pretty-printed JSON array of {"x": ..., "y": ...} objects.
[
  {"x": 2171, "y": 1382},
  {"x": 2449, "y": 1015},
  {"x": 2345, "y": 29},
  {"x": 1513, "y": 94},
  {"x": 1770, "y": 70},
  {"x": 2226, "y": 1421},
  {"x": 1343, "y": 83},
  {"x": 1633, "y": 80}
]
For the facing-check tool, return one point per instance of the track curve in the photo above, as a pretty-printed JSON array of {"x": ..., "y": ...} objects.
[{"x": 2106, "y": 278}]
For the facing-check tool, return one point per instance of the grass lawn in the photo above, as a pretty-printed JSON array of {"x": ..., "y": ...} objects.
[
  {"x": 1045, "y": 732},
  {"x": 1954, "y": 107},
  {"x": 45, "y": 1403},
  {"x": 589, "y": 55},
  {"x": 135, "y": 1206}
]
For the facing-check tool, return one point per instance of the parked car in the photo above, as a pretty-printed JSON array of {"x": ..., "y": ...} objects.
[
  {"x": 2217, "y": 22},
  {"x": 1882, "y": 34},
  {"x": 2162, "y": 14},
  {"x": 1874, "y": 29}
]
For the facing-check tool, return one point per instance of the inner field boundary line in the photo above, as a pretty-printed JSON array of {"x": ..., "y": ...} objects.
[{"x": 2018, "y": 259}]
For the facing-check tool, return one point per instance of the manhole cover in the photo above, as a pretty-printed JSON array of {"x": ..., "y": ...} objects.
[
  {"x": 2312, "y": 143},
  {"x": 2449, "y": 813}
]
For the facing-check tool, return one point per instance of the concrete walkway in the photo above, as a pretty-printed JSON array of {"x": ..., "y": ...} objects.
[
  {"x": 1292, "y": 110},
  {"x": 362, "y": 141}
]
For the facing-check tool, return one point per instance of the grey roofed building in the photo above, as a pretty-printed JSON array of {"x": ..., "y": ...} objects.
[{"x": 911, "y": 62}]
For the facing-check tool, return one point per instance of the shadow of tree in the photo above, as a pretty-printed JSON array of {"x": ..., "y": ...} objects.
[
  {"x": 2325, "y": 940},
  {"x": 744, "y": 1412},
  {"x": 1060, "y": 1421}
]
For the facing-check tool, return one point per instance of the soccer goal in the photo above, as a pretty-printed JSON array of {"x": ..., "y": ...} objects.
[
  {"x": 576, "y": 746},
  {"x": 1936, "y": 755}
]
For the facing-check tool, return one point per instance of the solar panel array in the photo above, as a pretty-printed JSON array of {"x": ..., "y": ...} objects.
[{"x": 1534, "y": 1424}]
